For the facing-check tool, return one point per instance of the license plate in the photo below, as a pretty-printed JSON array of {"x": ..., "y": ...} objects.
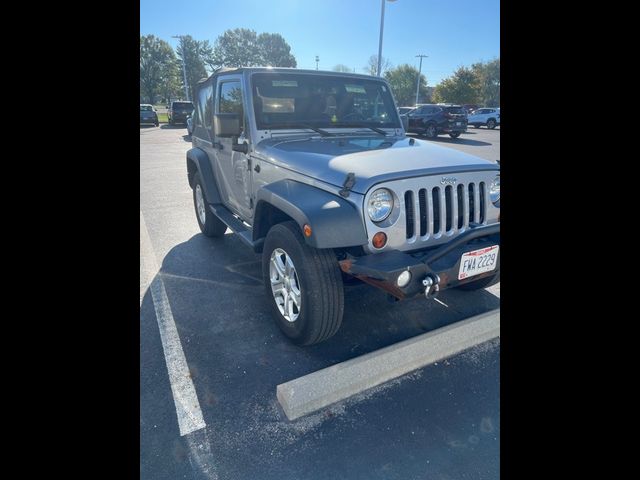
[
  {"x": 478, "y": 261},
  {"x": 458, "y": 123}
]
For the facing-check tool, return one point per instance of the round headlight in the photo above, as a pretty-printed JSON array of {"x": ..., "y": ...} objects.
[
  {"x": 380, "y": 204},
  {"x": 494, "y": 190}
]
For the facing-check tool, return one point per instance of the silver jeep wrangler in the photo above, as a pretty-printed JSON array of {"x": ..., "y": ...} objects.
[{"x": 314, "y": 170}]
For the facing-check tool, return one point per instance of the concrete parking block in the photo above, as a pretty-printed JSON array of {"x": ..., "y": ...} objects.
[{"x": 317, "y": 390}]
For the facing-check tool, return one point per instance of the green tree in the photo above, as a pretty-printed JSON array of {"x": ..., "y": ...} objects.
[
  {"x": 242, "y": 47},
  {"x": 193, "y": 52},
  {"x": 462, "y": 87},
  {"x": 488, "y": 77},
  {"x": 341, "y": 68},
  {"x": 371, "y": 68},
  {"x": 158, "y": 69},
  {"x": 274, "y": 51},
  {"x": 403, "y": 84}
]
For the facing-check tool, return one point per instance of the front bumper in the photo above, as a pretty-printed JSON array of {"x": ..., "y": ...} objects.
[{"x": 441, "y": 264}]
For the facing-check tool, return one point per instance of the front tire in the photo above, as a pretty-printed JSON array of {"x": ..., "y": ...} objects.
[
  {"x": 303, "y": 284},
  {"x": 209, "y": 224},
  {"x": 454, "y": 135},
  {"x": 491, "y": 124}
]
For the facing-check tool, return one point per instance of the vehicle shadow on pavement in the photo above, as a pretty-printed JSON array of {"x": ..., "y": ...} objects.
[
  {"x": 237, "y": 356},
  {"x": 216, "y": 285},
  {"x": 166, "y": 126}
]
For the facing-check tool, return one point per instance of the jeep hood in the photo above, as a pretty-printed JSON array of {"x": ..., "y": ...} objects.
[{"x": 371, "y": 159}]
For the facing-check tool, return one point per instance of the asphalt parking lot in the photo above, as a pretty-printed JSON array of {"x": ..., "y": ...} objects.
[{"x": 440, "y": 422}]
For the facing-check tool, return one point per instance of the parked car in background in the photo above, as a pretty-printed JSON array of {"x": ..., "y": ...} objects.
[
  {"x": 403, "y": 110},
  {"x": 148, "y": 114},
  {"x": 470, "y": 107},
  {"x": 485, "y": 116},
  {"x": 190, "y": 122},
  {"x": 431, "y": 120},
  {"x": 179, "y": 111}
]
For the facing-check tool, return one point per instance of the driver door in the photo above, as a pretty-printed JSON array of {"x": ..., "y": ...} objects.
[{"x": 233, "y": 166}]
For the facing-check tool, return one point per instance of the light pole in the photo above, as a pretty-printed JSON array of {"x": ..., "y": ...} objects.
[
  {"x": 184, "y": 67},
  {"x": 381, "y": 32},
  {"x": 419, "y": 72},
  {"x": 317, "y": 60}
]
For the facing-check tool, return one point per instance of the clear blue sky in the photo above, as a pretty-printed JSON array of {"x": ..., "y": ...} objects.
[{"x": 451, "y": 32}]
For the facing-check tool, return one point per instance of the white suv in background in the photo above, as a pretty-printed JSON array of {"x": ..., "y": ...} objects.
[{"x": 484, "y": 116}]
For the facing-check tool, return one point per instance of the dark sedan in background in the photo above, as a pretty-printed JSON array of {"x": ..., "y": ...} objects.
[
  {"x": 148, "y": 115},
  {"x": 432, "y": 120}
]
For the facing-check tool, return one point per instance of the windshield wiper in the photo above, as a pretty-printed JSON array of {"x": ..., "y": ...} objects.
[
  {"x": 322, "y": 132},
  {"x": 375, "y": 129}
]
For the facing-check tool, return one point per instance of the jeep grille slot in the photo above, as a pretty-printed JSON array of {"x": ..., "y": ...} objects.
[
  {"x": 461, "y": 205},
  {"x": 444, "y": 211},
  {"x": 422, "y": 194},
  {"x": 408, "y": 202},
  {"x": 448, "y": 207},
  {"x": 436, "y": 209},
  {"x": 482, "y": 207},
  {"x": 472, "y": 203}
]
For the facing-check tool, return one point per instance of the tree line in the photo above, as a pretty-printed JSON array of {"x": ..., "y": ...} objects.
[
  {"x": 162, "y": 75},
  {"x": 161, "y": 68}
]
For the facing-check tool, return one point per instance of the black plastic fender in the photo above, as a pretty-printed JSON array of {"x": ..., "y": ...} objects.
[
  {"x": 200, "y": 158},
  {"x": 334, "y": 221}
]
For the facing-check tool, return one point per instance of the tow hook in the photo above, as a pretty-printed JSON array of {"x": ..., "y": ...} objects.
[{"x": 431, "y": 287}]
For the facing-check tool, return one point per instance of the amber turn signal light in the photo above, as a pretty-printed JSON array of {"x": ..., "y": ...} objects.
[
  {"x": 379, "y": 240},
  {"x": 307, "y": 230}
]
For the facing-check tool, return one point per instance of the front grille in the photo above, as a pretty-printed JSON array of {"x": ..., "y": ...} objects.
[{"x": 444, "y": 210}]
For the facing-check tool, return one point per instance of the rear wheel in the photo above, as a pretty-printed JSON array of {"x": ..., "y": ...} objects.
[
  {"x": 431, "y": 131},
  {"x": 209, "y": 224},
  {"x": 454, "y": 135},
  {"x": 491, "y": 124},
  {"x": 304, "y": 285}
]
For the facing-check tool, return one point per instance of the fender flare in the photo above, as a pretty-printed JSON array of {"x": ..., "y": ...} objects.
[
  {"x": 334, "y": 221},
  {"x": 198, "y": 158}
]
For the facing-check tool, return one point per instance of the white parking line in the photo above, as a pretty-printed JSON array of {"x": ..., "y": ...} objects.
[{"x": 184, "y": 393}]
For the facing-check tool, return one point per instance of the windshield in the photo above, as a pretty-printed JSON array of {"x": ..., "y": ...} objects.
[
  {"x": 183, "y": 107},
  {"x": 454, "y": 110},
  {"x": 146, "y": 108},
  {"x": 285, "y": 100}
]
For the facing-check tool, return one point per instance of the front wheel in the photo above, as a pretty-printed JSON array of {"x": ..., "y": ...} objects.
[
  {"x": 491, "y": 124},
  {"x": 303, "y": 284},
  {"x": 454, "y": 135}
]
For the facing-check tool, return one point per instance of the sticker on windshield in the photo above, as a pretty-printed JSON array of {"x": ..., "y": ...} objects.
[
  {"x": 355, "y": 89},
  {"x": 284, "y": 83}
]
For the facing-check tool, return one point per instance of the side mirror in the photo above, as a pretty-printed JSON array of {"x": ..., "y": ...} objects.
[
  {"x": 405, "y": 122},
  {"x": 226, "y": 125}
]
